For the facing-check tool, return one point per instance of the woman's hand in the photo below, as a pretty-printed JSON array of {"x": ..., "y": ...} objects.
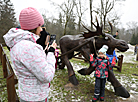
[
  {"x": 46, "y": 46},
  {"x": 54, "y": 44}
]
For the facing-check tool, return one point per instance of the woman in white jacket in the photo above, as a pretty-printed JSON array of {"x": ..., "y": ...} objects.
[{"x": 33, "y": 68}]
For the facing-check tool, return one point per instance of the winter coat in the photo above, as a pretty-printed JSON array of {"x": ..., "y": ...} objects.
[
  {"x": 111, "y": 56},
  {"x": 33, "y": 68},
  {"x": 102, "y": 66}
]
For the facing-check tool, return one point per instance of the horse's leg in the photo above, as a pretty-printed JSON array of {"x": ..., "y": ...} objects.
[
  {"x": 71, "y": 73},
  {"x": 86, "y": 71},
  {"x": 119, "y": 89}
]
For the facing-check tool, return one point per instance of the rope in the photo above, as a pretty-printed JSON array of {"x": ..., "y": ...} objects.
[
  {"x": 95, "y": 47},
  {"x": 74, "y": 49}
]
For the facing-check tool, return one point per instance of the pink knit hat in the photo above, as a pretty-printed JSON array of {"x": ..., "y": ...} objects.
[{"x": 30, "y": 19}]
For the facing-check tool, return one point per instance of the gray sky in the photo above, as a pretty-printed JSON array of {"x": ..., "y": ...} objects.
[{"x": 128, "y": 10}]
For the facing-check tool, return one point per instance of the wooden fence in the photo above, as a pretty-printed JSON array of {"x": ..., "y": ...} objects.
[
  {"x": 119, "y": 65},
  {"x": 8, "y": 73}
]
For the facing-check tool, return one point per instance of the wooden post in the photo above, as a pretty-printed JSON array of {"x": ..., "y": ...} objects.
[
  {"x": 4, "y": 66},
  {"x": 0, "y": 53},
  {"x": 137, "y": 56},
  {"x": 11, "y": 88},
  {"x": 11, "y": 79},
  {"x": 120, "y": 60}
]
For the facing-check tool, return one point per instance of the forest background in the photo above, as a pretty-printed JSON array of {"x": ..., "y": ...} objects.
[{"x": 71, "y": 13}]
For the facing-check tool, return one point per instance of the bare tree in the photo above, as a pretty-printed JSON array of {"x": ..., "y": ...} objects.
[
  {"x": 91, "y": 13},
  {"x": 104, "y": 9},
  {"x": 80, "y": 11},
  {"x": 67, "y": 10},
  {"x": 113, "y": 18},
  {"x": 132, "y": 27}
]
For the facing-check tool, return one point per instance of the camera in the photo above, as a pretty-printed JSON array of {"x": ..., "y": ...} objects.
[{"x": 52, "y": 38}]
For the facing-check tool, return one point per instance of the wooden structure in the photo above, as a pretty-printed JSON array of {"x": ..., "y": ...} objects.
[
  {"x": 8, "y": 73},
  {"x": 137, "y": 55},
  {"x": 119, "y": 66},
  {"x": 120, "y": 61}
]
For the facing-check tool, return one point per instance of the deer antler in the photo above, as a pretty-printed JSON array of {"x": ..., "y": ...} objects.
[
  {"x": 111, "y": 27},
  {"x": 86, "y": 28},
  {"x": 97, "y": 22},
  {"x": 98, "y": 31}
]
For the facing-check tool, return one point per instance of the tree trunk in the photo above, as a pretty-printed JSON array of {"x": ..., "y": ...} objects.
[
  {"x": 137, "y": 55},
  {"x": 104, "y": 21},
  {"x": 65, "y": 26},
  {"x": 79, "y": 23},
  {"x": 91, "y": 13}
]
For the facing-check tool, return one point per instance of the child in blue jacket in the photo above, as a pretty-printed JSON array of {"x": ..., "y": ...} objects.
[{"x": 102, "y": 65}]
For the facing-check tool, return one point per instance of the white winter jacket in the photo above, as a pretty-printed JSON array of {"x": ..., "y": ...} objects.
[{"x": 33, "y": 68}]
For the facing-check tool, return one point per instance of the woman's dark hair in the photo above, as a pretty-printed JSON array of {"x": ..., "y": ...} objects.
[{"x": 33, "y": 30}]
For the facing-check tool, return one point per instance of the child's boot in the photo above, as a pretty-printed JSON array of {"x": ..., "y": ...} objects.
[
  {"x": 94, "y": 99},
  {"x": 101, "y": 98}
]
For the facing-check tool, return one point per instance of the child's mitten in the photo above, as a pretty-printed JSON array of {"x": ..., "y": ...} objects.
[
  {"x": 114, "y": 61},
  {"x": 91, "y": 57}
]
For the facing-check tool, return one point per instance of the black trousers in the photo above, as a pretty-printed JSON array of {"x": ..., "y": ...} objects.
[{"x": 99, "y": 87}]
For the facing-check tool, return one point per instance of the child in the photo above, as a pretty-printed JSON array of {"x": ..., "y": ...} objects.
[
  {"x": 102, "y": 65},
  {"x": 34, "y": 69},
  {"x": 56, "y": 55}
]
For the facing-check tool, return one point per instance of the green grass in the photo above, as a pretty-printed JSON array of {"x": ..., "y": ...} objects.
[
  {"x": 83, "y": 92},
  {"x": 127, "y": 68},
  {"x": 81, "y": 62},
  {"x": 3, "y": 89}
]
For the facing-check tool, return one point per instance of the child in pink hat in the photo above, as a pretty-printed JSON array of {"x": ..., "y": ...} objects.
[{"x": 34, "y": 69}]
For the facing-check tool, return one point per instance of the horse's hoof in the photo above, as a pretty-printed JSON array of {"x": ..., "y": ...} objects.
[
  {"x": 73, "y": 80},
  {"x": 121, "y": 91},
  {"x": 82, "y": 71}
]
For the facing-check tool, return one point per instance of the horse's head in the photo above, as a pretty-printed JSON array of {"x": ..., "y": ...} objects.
[{"x": 111, "y": 42}]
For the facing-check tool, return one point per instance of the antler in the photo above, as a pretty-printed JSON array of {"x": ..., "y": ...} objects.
[
  {"x": 97, "y": 22},
  {"x": 86, "y": 28},
  {"x": 111, "y": 27},
  {"x": 98, "y": 31}
]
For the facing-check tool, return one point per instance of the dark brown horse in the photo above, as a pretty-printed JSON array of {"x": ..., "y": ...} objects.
[{"x": 96, "y": 39}]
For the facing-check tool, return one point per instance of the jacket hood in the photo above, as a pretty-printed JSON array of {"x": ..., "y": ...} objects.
[{"x": 15, "y": 35}]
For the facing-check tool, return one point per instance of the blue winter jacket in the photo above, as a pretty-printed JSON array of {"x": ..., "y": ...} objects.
[{"x": 111, "y": 56}]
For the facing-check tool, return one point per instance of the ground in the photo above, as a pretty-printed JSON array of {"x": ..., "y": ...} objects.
[
  {"x": 65, "y": 92},
  {"x": 61, "y": 90}
]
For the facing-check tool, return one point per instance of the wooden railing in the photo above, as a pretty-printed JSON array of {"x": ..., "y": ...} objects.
[
  {"x": 119, "y": 65},
  {"x": 8, "y": 73}
]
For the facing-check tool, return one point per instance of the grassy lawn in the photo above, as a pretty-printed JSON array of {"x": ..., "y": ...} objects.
[
  {"x": 85, "y": 90},
  {"x": 81, "y": 93},
  {"x": 3, "y": 89},
  {"x": 63, "y": 91},
  {"x": 127, "y": 68}
]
